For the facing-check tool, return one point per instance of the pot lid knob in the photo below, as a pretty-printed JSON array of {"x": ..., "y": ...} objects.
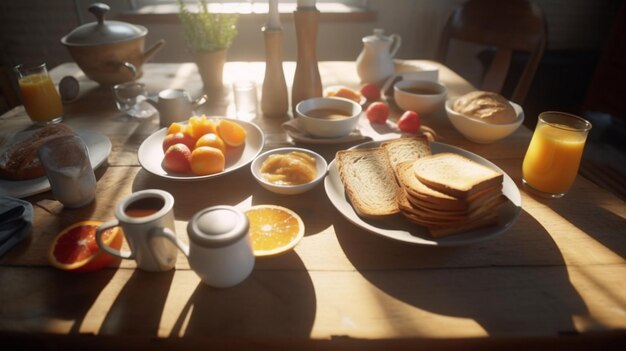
[{"x": 99, "y": 10}]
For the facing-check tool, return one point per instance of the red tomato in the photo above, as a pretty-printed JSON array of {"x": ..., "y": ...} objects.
[
  {"x": 409, "y": 122},
  {"x": 377, "y": 112},
  {"x": 370, "y": 91}
]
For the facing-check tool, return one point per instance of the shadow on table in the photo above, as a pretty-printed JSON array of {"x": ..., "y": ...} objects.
[
  {"x": 492, "y": 283},
  {"x": 269, "y": 303},
  {"x": 130, "y": 314},
  {"x": 598, "y": 222},
  {"x": 74, "y": 298}
]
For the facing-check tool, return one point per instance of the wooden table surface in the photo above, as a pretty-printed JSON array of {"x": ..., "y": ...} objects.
[{"x": 558, "y": 275}]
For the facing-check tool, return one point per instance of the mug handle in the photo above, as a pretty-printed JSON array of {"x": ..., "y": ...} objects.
[
  {"x": 171, "y": 236},
  {"x": 125, "y": 254}
]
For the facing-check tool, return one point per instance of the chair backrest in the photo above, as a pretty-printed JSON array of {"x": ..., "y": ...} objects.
[{"x": 507, "y": 26}]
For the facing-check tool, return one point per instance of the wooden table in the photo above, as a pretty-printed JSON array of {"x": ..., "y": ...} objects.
[{"x": 557, "y": 278}]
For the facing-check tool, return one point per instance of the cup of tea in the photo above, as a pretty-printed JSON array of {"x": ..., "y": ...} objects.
[
  {"x": 147, "y": 219},
  {"x": 69, "y": 171},
  {"x": 39, "y": 95},
  {"x": 554, "y": 153}
]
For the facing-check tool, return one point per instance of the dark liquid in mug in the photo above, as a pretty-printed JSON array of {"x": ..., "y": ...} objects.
[
  {"x": 328, "y": 113},
  {"x": 421, "y": 91},
  {"x": 144, "y": 207}
]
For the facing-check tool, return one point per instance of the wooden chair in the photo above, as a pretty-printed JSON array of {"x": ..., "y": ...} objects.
[{"x": 507, "y": 26}]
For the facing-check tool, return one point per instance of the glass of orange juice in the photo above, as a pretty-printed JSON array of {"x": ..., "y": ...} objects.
[
  {"x": 553, "y": 156},
  {"x": 39, "y": 95}
]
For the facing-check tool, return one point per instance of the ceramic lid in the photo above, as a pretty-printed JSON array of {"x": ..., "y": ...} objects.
[
  {"x": 103, "y": 32},
  {"x": 378, "y": 36},
  {"x": 217, "y": 226}
]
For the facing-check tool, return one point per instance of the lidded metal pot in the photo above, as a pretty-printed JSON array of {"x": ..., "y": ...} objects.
[{"x": 109, "y": 52}]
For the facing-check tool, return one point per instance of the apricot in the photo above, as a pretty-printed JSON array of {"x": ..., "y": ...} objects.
[
  {"x": 348, "y": 93},
  {"x": 211, "y": 139},
  {"x": 199, "y": 126},
  {"x": 177, "y": 158},
  {"x": 207, "y": 160}
]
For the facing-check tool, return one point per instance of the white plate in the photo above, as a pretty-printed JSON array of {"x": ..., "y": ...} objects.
[
  {"x": 151, "y": 154},
  {"x": 99, "y": 147},
  {"x": 398, "y": 228}
]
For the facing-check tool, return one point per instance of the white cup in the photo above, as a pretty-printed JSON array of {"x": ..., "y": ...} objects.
[
  {"x": 147, "y": 218},
  {"x": 220, "y": 250},
  {"x": 175, "y": 105}
]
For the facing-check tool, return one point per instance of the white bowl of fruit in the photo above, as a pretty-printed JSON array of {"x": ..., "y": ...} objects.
[{"x": 201, "y": 147}]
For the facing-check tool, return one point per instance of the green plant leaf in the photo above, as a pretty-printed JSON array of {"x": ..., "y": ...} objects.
[{"x": 205, "y": 31}]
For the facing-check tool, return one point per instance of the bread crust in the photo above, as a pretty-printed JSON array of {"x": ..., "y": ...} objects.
[{"x": 20, "y": 160}]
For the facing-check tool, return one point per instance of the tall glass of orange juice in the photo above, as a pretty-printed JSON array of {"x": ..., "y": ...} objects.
[
  {"x": 553, "y": 156},
  {"x": 39, "y": 95}
]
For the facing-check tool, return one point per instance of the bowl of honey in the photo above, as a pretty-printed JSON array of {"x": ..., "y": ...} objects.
[{"x": 421, "y": 96}]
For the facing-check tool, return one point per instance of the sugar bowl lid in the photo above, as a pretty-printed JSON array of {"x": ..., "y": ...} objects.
[
  {"x": 217, "y": 226},
  {"x": 103, "y": 32}
]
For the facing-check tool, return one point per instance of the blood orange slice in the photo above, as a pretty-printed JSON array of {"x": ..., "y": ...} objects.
[{"x": 75, "y": 247}]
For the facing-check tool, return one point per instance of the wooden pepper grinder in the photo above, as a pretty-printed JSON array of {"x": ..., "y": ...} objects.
[
  {"x": 306, "y": 81},
  {"x": 274, "y": 98}
]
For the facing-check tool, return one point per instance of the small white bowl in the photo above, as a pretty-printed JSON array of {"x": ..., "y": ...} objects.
[
  {"x": 481, "y": 131},
  {"x": 329, "y": 128},
  {"x": 320, "y": 164},
  {"x": 430, "y": 98}
]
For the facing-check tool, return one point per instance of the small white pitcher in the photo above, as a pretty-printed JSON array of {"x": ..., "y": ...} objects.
[
  {"x": 375, "y": 62},
  {"x": 175, "y": 105}
]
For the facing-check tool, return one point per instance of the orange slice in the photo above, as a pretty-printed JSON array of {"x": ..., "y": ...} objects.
[
  {"x": 231, "y": 132},
  {"x": 273, "y": 229},
  {"x": 75, "y": 247}
]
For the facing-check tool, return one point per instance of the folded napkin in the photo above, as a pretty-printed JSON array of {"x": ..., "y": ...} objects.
[
  {"x": 295, "y": 130},
  {"x": 16, "y": 222}
]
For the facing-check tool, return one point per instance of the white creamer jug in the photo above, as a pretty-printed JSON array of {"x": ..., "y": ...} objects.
[{"x": 375, "y": 62}]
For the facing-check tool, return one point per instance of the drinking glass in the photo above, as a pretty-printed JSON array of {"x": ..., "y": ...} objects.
[
  {"x": 39, "y": 95},
  {"x": 553, "y": 156},
  {"x": 245, "y": 98},
  {"x": 68, "y": 168},
  {"x": 130, "y": 98}
]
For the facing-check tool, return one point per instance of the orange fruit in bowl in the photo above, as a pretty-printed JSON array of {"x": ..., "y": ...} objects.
[
  {"x": 175, "y": 127},
  {"x": 207, "y": 160},
  {"x": 75, "y": 247},
  {"x": 273, "y": 229},
  {"x": 199, "y": 126},
  {"x": 211, "y": 139},
  {"x": 231, "y": 132}
]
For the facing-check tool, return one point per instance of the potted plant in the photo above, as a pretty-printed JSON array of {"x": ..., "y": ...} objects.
[{"x": 208, "y": 35}]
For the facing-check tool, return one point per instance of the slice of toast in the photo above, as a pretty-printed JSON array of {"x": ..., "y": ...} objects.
[
  {"x": 455, "y": 175},
  {"x": 369, "y": 181},
  {"x": 406, "y": 149},
  {"x": 422, "y": 195}
]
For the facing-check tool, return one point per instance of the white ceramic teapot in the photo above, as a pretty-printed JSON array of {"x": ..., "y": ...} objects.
[{"x": 375, "y": 62}]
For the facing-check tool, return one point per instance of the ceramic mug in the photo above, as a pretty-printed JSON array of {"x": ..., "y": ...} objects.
[
  {"x": 175, "y": 105},
  {"x": 146, "y": 217}
]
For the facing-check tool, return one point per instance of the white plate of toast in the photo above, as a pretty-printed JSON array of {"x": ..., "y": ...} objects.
[
  {"x": 99, "y": 147},
  {"x": 397, "y": 227}
]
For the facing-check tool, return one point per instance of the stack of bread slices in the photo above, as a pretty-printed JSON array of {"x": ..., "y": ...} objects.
[{"x": 446, "y": 192}]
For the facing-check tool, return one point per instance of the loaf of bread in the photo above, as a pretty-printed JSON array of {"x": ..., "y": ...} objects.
[
  {"x": 486, "y": 106},
  {"x": 369, "y": 181},
  {"x": 20, "y": 162}
]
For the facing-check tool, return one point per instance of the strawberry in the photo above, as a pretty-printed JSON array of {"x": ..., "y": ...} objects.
[
  {"x": 377, "y": 112},
  {"x": 370, "y": 91},
  {"x": 409, "y": 122}
]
